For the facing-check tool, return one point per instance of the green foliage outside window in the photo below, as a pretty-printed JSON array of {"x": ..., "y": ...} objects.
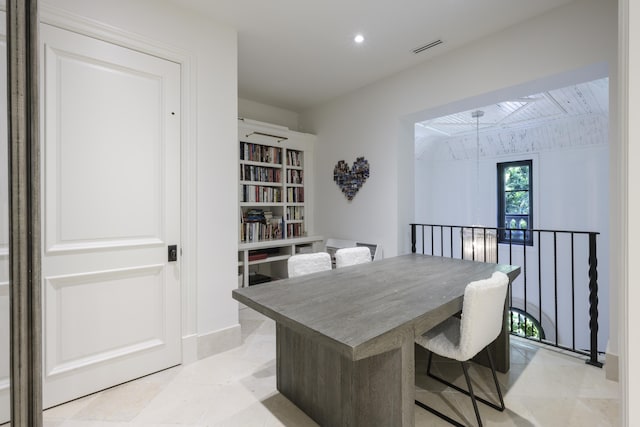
[
  {"x": 515, "y": 201},
  {"x": 523, "y": 326},
  {"x": 514, "y": 224},
  {"x": 516, "y": 187}
]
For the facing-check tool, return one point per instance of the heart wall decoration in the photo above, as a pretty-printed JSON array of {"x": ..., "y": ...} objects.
[{"x": 351, "y": 179}]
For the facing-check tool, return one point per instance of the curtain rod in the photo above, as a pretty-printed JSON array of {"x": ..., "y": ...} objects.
[{"x": 279, "y": 138}]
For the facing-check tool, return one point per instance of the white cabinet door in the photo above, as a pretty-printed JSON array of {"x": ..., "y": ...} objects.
[
  {"x": 4, "y": 230},
  {"x": 111, "y": 207}
]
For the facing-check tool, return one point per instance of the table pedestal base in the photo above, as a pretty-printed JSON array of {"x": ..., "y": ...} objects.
[{"x": 337, "y": 391}]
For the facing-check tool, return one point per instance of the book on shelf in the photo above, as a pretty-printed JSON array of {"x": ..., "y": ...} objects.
[
  {"x": 295, "y": 230},
  {"x": 260, "y": 174},
  {"x": 261, "y": 194},
  {"x": 255, "y": 256},
  {"x": 260, "y": 153},
  {"x": 254, "y": 215},
  {"x": 295, "y": 176},
  {"x": 295, "y": 213},
  {"x": 258, "y": 225},
  {"x": 294, "y": 158},
  {"x": 295, "y": 194}
]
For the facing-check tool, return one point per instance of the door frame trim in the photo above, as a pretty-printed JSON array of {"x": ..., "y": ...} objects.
[
  {"x": 188, "y": 167},
  {"x": 25, "y": 289}
]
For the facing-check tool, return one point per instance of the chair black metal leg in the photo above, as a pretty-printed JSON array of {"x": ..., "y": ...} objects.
[
  {"x": 435, "y": 411},
  {"x": 469, "y": 392},
  {"x": 495, "y": 380},
  {"x": 439, "y": 414},
  {"x": 473, "y": 398},
  {"x": 461, "y": 390}
]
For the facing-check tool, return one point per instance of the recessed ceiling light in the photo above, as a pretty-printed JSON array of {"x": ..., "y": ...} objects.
[{"x": 359, "y": 38}]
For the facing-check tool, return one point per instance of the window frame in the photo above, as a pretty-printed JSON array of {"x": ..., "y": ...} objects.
[
  {"x": 503, "y": 232},
  {"x": 526, "y": 317}
]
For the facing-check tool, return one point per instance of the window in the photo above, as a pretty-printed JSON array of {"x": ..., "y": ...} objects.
[
  {"x": 515, "y": 202},
  {"x": 523, "y": 324}
]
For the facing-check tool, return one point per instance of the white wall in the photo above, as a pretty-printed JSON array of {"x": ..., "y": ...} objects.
[
  {"x": 266, "y": 113},
  {"x": 628, "y": 160},
  {"x": 367, "y": 122},
  {"x": 372, "y": 121},
  {"x": 210, "y": 130}
]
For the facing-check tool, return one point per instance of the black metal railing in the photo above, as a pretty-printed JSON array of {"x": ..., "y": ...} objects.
[{"x": 554, "y": 300}]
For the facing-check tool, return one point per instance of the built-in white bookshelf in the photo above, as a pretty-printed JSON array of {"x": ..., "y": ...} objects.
[{"x": 275, "y": 215}]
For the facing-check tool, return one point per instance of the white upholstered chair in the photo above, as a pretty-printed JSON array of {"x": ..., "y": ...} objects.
[
  {"x": 461, "y": 339},
  {"x": 301, "y": 264},
  {"x": 352, "y": 256}
]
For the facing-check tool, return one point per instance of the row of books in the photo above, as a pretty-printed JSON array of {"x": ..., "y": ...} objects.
[
  {"x": 295, "y": 230},
  {"x": 260, "y": 174},
  {"x": 260, "y": 153},
  {"x": 264, "y": 253},
  {"x": 267, "y": 174},
  {"x": 295, "y": 213},
  {"x": 258, "y": 231},
  {"x": 261, "y": 194},
  {"x": 294, "y": 158},
  {"x": 295, "y": 176},
  {"x": 295, "y": 195},
  {"x": 255, "y": 215},
  {"x": 257, "y": 224}
]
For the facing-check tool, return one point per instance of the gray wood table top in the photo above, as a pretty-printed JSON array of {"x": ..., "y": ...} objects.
[{"x": 362, "y": 310}]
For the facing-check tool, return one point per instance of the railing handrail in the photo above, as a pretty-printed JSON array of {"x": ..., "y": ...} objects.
[
  {"x": 483, "y": 227},
  {"x": 592, "y": 272}
]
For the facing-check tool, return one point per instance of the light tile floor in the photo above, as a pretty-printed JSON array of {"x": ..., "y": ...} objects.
[{"x": 237, "y": 388}]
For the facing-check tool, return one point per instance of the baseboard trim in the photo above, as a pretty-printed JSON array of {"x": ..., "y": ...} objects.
[
  {"x": 219, "y": 341},
  {"x": 611, "y": 367},
  {"x": 189, "y": 349}
]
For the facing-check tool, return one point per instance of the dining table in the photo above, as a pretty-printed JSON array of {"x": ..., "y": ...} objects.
[{"x": 345, "y": 337}]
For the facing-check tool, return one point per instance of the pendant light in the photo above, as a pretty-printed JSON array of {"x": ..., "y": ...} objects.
[{"x": 479, "y": 243}]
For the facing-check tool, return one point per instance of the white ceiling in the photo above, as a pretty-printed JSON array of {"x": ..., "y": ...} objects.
[
  {"x": 571, "y": 110},
  {"x": 590, "y": 98},
  {"x": 296, "y": 54}
]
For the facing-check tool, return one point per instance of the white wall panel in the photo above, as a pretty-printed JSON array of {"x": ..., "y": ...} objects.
[
  {"x": 79, "y": 306},
  {"x": 106, "y": 205}
]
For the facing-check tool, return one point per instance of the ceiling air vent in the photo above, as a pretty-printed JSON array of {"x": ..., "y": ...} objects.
[{"x": 427, "y": 46}]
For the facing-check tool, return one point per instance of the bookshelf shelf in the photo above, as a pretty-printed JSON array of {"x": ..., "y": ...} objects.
[
  {"x": 275, "y": 189},
  {"x": 262, "y": 164},
  {"x": 269, "y": 259},
  {"x": 263, "y": 204},
  {"x": 261, "y": 183}
]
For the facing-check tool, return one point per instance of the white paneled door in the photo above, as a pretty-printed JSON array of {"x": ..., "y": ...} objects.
[
  {"x": 111, "y": 208},
  {"x": 4, "y": 230}
]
